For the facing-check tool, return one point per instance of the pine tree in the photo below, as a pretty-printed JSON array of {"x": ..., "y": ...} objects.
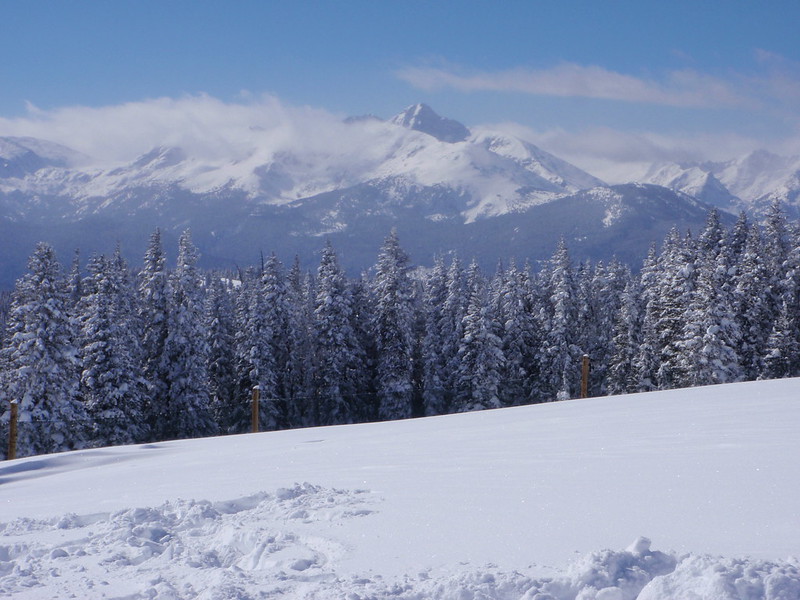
[
  {"x": 520, "y": 338},
  {"x": 434, "y": 377},
  {"x": 153, "y": 302},
  {"x": 275, "y": 312},
  {"x": 675, "y": 288},
  {"x": 246, "y": 349},
  {"x": 560, "y": 356},
  {"x": 187, "y": 409},
  {"x": 41, "y": 360},
  {"x": 298, "y": 376},
  {"x": 711, "y": 334},
  {"x": 393, "y": 328},
  {"x": 626, "y": 342},
  {"x": 645, "y": 361},
  {"x": 220, "y": 328},
  {"x": 782, "y": 347},
  {"x": 112, "y": 386},
  {"x": 336, "y": 352},
  {"x": 480, "y": 352},
  {"x": 752, "y": 306}
]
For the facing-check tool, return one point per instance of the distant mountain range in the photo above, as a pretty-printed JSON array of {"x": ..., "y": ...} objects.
[
  {"x": 750, "y": 183},
  {"x": 481, "y": 193}
]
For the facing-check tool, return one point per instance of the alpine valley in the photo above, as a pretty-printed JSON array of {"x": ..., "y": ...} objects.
[{"x": 443, "y": 186}]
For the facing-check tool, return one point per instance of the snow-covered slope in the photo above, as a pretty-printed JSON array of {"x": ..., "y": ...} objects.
[{"x": 501, "y": 504}]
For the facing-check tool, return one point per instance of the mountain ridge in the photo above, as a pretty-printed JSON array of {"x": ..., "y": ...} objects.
[{"x": 470, "y": 194}]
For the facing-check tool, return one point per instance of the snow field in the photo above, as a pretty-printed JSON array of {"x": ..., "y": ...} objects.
[
  {"x": 497, "y": 505},
  {"x": 260, "y": 546}
]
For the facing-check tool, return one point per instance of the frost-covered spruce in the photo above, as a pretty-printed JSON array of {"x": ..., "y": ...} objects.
[
  {"x": 244, "y": 305},
  {"x": 336, "y": 346},
  {"x": 790, "y": 287},
  {"x": 711, "y": 334},
  {"x": 299, "y": 372},
  {"x": 520, "y": 338},
  {"x": 626, "y": 342},
  {"x": 480, "y": 352},
  {"x": 187, "y": 409},
  {"x": 154, "y": 305},
  {"x": 111, "y": 382},
  {"x": 645, "y": 358},
  {"x": 560, "y": 355},
  {"x": 393, "y": 328},
  {"x": 433, "y": 367},
  {"x": 752, "y": 305},
  {"x": 455, "y": 306},
  {"x": 675, "y": 288},
  {"x": 41, "y": 360},
  {"x": 781, "y": 348},
  {"x": 275, "y": 312},
  {"x": 220, "y": 328}
]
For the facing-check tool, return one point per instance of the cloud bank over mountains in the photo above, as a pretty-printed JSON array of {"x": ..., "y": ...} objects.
[{"x": 210, "y": 129}]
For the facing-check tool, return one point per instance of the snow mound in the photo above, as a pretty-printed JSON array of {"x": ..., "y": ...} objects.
[{"x": 269, "y": 545}]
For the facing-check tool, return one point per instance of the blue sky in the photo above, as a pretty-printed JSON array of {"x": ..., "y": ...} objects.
[{"x": 576, "y": 75}]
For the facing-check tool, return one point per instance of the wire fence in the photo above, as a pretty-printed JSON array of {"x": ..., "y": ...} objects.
[{"x": 254, "y": 403}]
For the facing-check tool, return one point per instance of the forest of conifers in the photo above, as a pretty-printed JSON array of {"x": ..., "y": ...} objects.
[{"x": 102, "y": 355}]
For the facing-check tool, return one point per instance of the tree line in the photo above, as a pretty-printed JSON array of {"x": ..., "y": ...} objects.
[{"x": 102, "y": 355}]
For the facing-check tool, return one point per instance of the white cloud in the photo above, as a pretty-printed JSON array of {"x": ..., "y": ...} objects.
[
  {"x": 683, "y": 88},
  {"x": 202, "y": 125}
]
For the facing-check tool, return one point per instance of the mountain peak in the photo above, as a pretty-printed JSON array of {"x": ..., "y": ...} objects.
[{"x": 421, "y": 117}]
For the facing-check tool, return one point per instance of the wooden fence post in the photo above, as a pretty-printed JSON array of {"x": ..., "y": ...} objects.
[
  {"x": 585, "y": 377},
  {"x": 12, "y": 431},
  {"x": 254, "y": 409}
]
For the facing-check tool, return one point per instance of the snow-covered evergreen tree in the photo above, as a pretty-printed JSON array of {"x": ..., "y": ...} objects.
[
  {"x": 480, "y": 352},
  {"x": 153, "y": 307},
  {"x": 752, "y": 305},
  {"x": 113, "y": 388},
  {"x": 393, "y": 328},
  {"x": 711, "y": 334},
  {"x": 645, "y": 360},
  {"x": 675, "y": 288},
  {"x": 245, "y": 340},
  {"x": 520, "y": 338},
  {"x": 782, "y": 347},
  {"x": 298, "y": 377},
  {"x": 434, "y": 377},
  {"x": 626, "y": 342},
  {"x": 41, "y": 360},
  {"x": 274, "y": 310},
  {"x": 220, "y": 328},
  {"x": 560, "y": 355},
  {"x": 336, "y": 345},
  {"x": 186, "y": 411}
]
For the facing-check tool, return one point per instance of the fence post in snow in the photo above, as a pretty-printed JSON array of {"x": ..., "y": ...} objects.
[
  {"x": 254, "y": 409},
  {"x": 585, "y": 377},
  {"x": 12, "y": 432}
]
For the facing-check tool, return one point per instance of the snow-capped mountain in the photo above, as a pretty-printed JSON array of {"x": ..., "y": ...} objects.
[
  {"x": 487, "y": 174},
  {"x": 421, "y": 117},
  {"x": 283, "y": 189},
  {"x": 751, "y": 182}
]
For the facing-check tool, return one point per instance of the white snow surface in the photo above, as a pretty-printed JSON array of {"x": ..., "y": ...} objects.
[{"x": 547, "y": 502}]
